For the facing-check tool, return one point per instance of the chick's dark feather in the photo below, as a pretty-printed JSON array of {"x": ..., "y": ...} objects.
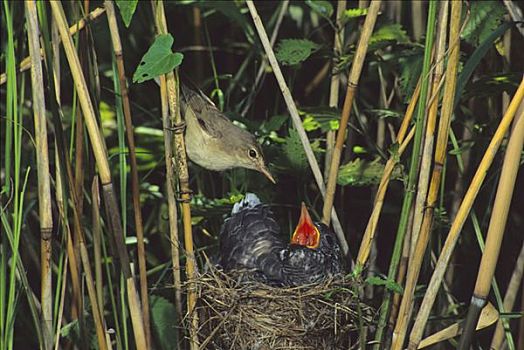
[{"x": 250, "y": 239}]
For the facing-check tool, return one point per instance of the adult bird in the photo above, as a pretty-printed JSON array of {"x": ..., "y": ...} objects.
[
  {"x": 213, "y": 141},
  {"x": 250, "y": 239}
]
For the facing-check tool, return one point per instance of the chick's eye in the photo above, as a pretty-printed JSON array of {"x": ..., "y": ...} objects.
[{"x": 252, "y": 153}]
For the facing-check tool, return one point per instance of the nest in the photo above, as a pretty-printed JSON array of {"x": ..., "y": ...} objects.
[{"x": 239, "y": 314}]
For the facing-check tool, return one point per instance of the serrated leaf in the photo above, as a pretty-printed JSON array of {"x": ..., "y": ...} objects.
[
  {"x": 294, "y": 151},
  {"x": 322, "y": 7},
  {"x": 387, "y": 283},
  {"x": 158, "y": 60},
  {"x": 127, "y": 9},
  {"x": 164, "y": 321},
  {"x": 293, "y": 51},
  {"x": 356, "y": 12},
  {"x": 389, "y": 32},
  {"x": 485, "y": 17},
  {"x": 360, "y": 172},
  {"x": 411, "y": 65}
]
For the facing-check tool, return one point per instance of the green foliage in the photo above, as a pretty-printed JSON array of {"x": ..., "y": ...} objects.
[
  {"x": 275, "y": 122},
  {"x": 322, "y": 7},
  {"x": 387, "y": 34},
  {"x": 202, "y": 202},
  {"x": 389, "y": 284},
  {"x": 485, "y": 17},
  {"x": 360, "y": 172},
  {"x": 323, "y": 118},
  {"x": 158, "y": 60},
  {"x": 294, "y": 51},
  {"x": 411, "y": 68},
  {"x": 163, "y": 319},
  {"x": 127, "y": 9},
  {"x": 355, "y": 13},
  {"x": 294, "y": 152}
]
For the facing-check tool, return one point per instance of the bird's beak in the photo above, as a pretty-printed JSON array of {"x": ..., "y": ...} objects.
[
  {"x": 306, "y": 233},
  {"x": 264, "y": 170}
]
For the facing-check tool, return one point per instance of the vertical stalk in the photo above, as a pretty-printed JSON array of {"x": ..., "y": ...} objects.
[
  {"x": 509, "y": 300},
  {"x": 354, "y": 75},
  {"x": 429, "y": 139},
  {"x": 413, "y": 169},
  {"x": 96, "y": 227},
  {"x": 369, "y": 233},
  {"x": 171, "y": 202},
  {"x": 99, "y": 150},
  {"x": 465, "y": 207},
  {"x": 496, "y": 229},
  {"x": 417, "y": 255},
  {"x": 176, "y": 124},
  {"x": 42, "y": 161},
  {"x": 334, "y": 85},
  {"x": 117, "y": 48}
]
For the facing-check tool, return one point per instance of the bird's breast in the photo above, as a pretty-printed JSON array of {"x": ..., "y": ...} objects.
[{"x": 203, "y": 149}]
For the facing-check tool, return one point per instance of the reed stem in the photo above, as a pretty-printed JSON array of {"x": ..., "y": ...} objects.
[
  {"x": 354, "y": 75},
  {"x": 462, "y": 214}
]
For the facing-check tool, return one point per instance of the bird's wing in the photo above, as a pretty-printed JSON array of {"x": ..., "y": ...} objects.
[
  {"x": 210, "y": 119},
  {"x": 251, "y": 239},
  {"x": 301, "y": 265}
]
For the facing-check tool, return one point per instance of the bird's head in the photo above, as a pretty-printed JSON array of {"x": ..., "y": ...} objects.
[
  {"x": 314, "y": 235},
  {"x": 248, "y": 154},
  {"x": 306, "y": 233}
]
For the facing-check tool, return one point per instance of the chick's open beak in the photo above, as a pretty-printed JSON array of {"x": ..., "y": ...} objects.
[
  {"x": 264, "y": 170},
  {"x": 306, "y": 233}
]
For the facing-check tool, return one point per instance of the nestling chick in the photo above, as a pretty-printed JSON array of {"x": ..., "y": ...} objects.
[
  {"x": 213, "y": 141},
  {"x": 251, "y": 239}
]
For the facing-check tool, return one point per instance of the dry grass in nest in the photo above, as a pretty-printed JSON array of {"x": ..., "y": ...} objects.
[{"x": 237, "y": 314}]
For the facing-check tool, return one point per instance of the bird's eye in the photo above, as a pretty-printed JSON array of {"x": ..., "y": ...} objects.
[{"x": 252, "y": 153}]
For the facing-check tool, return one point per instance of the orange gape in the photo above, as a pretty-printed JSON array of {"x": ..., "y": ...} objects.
[{"x": 306, "y": 234}]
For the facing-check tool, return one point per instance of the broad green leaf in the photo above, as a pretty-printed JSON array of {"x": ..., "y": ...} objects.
[
  {"x": 127, "y": 9},
  {"x": 158, "y": 60},
  {"x": 163, "y": 317},
  {"x": 361, "y": 172},
  {"x": 293, "y": 51},
  {"x": 485, "y": 17},
  {"x": 322, "y": 7}
]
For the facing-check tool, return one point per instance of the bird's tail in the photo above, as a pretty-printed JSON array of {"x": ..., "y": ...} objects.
[{"x": 251, "y": 200}]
